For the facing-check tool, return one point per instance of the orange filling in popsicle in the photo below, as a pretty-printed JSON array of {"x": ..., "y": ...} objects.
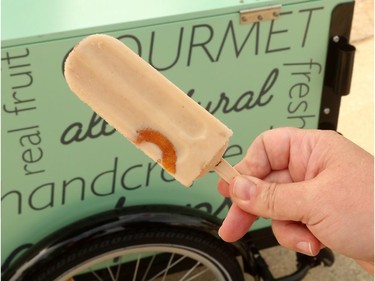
[{"x": 167, "y": 149}]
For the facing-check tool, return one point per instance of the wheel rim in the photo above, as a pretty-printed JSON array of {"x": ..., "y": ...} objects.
[{"x": 152, "y": 262}]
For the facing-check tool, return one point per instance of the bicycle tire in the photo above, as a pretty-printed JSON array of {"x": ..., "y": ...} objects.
[{"x": 187, "y": 245}]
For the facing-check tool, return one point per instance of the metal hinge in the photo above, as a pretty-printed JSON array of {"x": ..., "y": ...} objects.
[
  {"x": 260, "y": 14},
  {"x": 339, "y": 66}
]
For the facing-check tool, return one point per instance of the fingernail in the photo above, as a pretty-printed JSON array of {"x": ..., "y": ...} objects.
[
  {"x": 305, "y": 248},
  {"x": 219, "y": 233},
  {"x": 243, "y": 188}
]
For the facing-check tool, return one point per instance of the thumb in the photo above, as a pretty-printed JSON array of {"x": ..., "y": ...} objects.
[{"x": 279, "y": 201}]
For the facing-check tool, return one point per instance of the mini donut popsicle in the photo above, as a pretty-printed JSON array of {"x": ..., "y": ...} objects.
[{"x": 149, "y": 110}]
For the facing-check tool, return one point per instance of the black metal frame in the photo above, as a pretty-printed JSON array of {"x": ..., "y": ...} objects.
[{"x": 339, "y": 66}]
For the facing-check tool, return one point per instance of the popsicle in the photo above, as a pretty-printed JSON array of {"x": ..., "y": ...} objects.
[{"x": 148, "y": 109}]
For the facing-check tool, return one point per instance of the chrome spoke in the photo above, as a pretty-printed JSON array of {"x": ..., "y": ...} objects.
[
  {"x": 111, "y": 273},
  {"x": 197, "y": 275},
  {"x": 136, "y": 268},
  {"x": 96, "y": 276},
  {"x": 190, "y": 271},
  {"x": 148, "y": 267},
  {"x": 118, "y": 270},
  {"x": 169, "y": 266}
]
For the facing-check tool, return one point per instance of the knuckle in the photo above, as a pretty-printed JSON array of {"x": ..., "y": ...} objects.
[{"x": 268, "y": 197}]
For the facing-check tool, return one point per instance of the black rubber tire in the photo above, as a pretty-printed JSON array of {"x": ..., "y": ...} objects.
[{"x": 217, "y": 253}]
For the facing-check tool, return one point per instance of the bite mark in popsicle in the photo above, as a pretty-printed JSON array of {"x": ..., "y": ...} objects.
[{"x": 169, "y": 156}]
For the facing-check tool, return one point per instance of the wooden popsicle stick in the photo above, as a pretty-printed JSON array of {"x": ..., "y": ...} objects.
[{"x": 226, "y": 171}]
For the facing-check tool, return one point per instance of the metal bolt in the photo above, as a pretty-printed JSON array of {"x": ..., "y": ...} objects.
[
  {"x": 260, "y": 18},
  {"x": 327, "y": 110},
  {"x": 336, "y": 38},
  {"x": 243, "y": 18},
  {"x": 275, "y": 14}
]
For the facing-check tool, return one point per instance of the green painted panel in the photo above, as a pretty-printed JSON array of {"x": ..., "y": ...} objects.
[
  {"x": 42, "y": 20},
  {"x": 60, "y": 162}
]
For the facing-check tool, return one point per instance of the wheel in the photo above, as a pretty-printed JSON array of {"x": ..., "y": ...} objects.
[{"x": 143, "y": 255}]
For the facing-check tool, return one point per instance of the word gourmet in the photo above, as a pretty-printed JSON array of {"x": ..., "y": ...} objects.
[{"x": 205, "y": 41}]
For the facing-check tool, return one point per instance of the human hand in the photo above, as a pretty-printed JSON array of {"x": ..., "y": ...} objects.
[{"x": 316, "y": 186}]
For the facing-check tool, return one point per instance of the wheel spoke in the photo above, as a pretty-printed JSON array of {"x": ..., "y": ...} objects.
[
  {"x": 96, "y": 276},
  {"x": 111, "y": 274},
  {"x": 136, "y": 268},
  {"x": 148, "y": 267},
  {"x": 198, "y": 274},
  {"x": 118, "y": 270},
  {"x": 169, "y": 266},
  {"x": 190, "y": 271}
]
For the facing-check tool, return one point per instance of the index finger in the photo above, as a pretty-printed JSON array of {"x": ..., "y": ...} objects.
[
  {"x": 282, "y": 149},
  {"x": 269, "y": 151}
]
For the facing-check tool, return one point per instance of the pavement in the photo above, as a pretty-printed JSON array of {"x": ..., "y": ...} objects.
[{"x": 356, "y": 122}]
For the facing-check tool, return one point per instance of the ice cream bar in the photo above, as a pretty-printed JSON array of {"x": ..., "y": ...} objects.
[{"x": 149, "y": 110}]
